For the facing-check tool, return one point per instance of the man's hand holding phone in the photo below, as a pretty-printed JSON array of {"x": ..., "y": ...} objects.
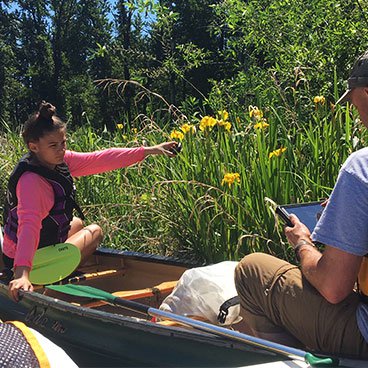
[
  {"x": 284, "y": 216},
  {"x": 296, "y": 232}
]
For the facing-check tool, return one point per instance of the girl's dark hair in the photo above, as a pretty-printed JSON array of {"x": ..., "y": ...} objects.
[{"x": 42, "y": 122}]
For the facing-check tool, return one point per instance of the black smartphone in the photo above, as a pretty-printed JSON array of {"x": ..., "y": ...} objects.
[
  {"x": 308, "y": 213},
  {"x": 176, "y": 149},
  {"x": 284, "y": 216}
]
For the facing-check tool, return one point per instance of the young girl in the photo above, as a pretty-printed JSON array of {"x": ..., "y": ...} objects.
[{"x": 40, "y": 197}]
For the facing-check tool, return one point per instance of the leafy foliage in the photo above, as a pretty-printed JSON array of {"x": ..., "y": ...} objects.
[
  {"x": 282, "y": 50},
  {"x": 256, "y": 78},
  {"x": 216, "y": 199}
]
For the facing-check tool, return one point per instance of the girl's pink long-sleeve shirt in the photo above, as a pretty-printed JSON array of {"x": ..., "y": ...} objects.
[{"x": 36, "y": 196}]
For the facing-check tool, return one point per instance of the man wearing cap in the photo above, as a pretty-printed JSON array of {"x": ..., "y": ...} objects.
[{"x": 317, "y": 304}]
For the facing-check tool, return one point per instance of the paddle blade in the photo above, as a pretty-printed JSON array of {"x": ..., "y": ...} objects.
[
  {"x": 84, "y": 291},
  {"x": 54, "y": 263},
  {"x": 91, "y": 292}
]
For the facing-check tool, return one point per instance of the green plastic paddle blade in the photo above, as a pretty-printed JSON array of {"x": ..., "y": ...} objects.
[
  {"x": 54, "y": 263},
  {"x": 84, "y": 291},
  {"x": 91, "y": 292},
  {"x": 315, "y": 361}
]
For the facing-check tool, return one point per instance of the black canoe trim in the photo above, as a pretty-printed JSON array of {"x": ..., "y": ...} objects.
[
  {"x": 146, "y": 257},
  {"x": 33, "y": 299}
]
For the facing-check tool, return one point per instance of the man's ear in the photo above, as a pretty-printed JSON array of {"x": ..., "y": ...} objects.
[{"x": 33, "y": 147}]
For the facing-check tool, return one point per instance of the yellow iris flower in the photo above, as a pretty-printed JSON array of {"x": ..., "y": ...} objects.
[
  {"x": 207, "y": 122},
  {"x": 224, "y": 115},
  {"x": 319, "y": 100},
  {"x": 255, "y": 113},
  {"x": 277, "y": 152},
  {"x": 176, "y": 134},
  {"x": 186, "y": 128},
  {"x": 262, "y": 124},
  {"x": 225, "y": 124},
  {"x": 230, "y": 178}
]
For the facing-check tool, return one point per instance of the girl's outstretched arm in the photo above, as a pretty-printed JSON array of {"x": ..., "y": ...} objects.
[
  {"x": 89, "y": 163},
  {"x": 161, "y": 149}
]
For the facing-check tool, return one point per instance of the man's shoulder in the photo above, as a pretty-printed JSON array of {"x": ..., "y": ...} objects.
[
  {"x": 361, "y": 154},
  {"x": 357, "y": 164}
]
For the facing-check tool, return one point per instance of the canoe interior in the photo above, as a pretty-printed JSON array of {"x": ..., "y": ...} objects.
[
  {"x": 114, "y": 274},
  {"x": 146, "y": 279},
  {"x": 143, "y": 278},
  {"x": 109, "y": 335}
]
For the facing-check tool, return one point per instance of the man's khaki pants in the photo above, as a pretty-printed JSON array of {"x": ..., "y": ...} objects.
[{"x": 277, "y": 298}]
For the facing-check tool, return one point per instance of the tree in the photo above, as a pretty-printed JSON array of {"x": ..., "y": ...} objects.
[
  {"x": 63, "y": 12},
  {"x": 87, "y": 59},
  {"x": 182, "y": 45},
  {"x": 287, "y": 51},
  {"x": 123, "y": 21},
  {"x": 34, "y": 51},
  {"x": 8, "y": 67}
]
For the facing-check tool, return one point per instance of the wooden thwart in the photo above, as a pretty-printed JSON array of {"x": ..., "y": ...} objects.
[
  {"x": 163, "y": 288},
  {"x": 95, "y": 275},
  {"x": 87, "y": 276}
]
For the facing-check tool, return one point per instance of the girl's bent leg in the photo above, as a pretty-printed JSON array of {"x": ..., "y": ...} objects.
[
  {"x": 75, "y": 226},
  {"x": 87, "y": 240}
]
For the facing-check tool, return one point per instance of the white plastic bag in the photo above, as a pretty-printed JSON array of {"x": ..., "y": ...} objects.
[{"x": 202, "y": 290}]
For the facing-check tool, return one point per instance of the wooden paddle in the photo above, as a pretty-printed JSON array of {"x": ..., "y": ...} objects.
[
  {"x": 54, "y": 263},
  {"x": 292, "y": 353}
]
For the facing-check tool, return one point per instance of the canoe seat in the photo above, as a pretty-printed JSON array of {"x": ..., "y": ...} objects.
[{"x": 158, "y": 290}]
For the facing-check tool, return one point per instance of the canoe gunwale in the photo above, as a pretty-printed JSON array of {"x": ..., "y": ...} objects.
[
  {"x": 154, "y": 258},
  {"x": 67, "y": 311},
  {"x": 61, "y": 306},
  {"x": 81, "y": 324},
  {"x": 44, "y": 301}
]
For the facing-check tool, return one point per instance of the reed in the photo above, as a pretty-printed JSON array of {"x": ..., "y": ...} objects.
[{"x": 215, "y": 200}]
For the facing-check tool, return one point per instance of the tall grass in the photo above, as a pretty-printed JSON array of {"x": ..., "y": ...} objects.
[
  {"x": 182, "y": 206},
  {"x": 216, "y": 221}
]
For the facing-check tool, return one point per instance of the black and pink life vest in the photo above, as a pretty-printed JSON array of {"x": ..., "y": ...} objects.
[{"x": 56, "y": 225}]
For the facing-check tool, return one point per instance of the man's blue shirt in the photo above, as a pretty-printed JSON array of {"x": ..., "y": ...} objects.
[{"x": 344, "y": 221}]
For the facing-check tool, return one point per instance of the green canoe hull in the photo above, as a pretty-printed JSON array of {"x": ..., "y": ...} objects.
[
  {"x": 111, "y": 337},
  {"x": 94, "y": 338}
]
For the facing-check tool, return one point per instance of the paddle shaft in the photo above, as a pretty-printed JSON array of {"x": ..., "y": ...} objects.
[
  {"x": 206, "y": 327},
  {"x": 131, "y": 305},
  {"x": 290, "y": 352}
]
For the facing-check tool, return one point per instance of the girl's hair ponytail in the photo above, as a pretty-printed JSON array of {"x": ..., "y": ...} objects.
[
  {"x": 46, "y": 111},
  {"x": 41, "y": 122}
]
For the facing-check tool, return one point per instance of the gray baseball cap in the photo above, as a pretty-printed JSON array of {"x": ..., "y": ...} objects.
[{"x": 358, "y": 77}]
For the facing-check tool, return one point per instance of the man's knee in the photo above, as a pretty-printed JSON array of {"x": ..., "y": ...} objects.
[
  {"x": 246, "y": 274},
  {"x": 253, "y": 267},
  {"x": 255, "y": 276}
]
